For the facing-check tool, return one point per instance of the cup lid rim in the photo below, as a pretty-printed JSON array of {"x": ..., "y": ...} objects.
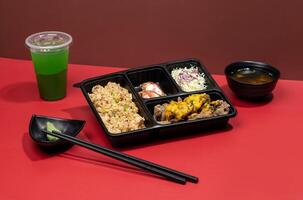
[{"x": 29, "y": 43}]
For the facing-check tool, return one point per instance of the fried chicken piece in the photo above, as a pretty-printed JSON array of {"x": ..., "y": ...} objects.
[
  {"x": 182, "y": 111},
  {"x": 170, "y": 110},
  {"x": 177, "y": 110},
  {"x": 197, "y": 100},
  {"x": 206, "y": 111}
]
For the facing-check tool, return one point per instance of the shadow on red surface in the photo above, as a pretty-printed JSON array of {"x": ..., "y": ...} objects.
[
  {"x": 20, "y": 92},
  {"x": 103, "y": 162},
  {"x": 244, "y": 103},
  {"x": 178, "y": 136},
  {"x": 34, "y": 153}
]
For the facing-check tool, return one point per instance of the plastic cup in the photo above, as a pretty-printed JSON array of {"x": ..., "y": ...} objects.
[{"x": 49, "y": 51}]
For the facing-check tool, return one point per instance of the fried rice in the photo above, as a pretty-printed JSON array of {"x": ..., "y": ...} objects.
[{"x": 116, "y": 108}]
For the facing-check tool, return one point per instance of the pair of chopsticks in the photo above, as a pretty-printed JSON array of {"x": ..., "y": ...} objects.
[{"x": 170, "y": 174}]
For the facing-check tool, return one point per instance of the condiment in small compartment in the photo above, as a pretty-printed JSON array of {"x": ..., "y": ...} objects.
[
  {"x": 116, "y": 108},
  {"x": 195, "y": 106},
  {"x": 150, "y": 90},
  {"x": 253, "y": 76},
  {"x": 189, "y": 79}
]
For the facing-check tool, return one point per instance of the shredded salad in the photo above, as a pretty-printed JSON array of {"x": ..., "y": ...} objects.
[{"x": 189, "y": 79}]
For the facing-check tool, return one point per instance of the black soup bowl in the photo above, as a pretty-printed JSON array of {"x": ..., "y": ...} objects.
[
  {"x": 66, "y": 126},
  {"x": 251, "y": 80}
]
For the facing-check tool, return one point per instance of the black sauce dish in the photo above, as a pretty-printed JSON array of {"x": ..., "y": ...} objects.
[
  {"x": 253, "y": 88},
  {"x": 66, "y": 126}
]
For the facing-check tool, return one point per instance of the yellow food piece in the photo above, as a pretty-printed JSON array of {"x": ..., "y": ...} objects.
[
  {"x": 216, "y": 102},
  {"x": 182, "y": 109},
  {"x": 170, "y": 109},
  {"x": 197, "y": 100},
  {"x": 207, "y": 108}
]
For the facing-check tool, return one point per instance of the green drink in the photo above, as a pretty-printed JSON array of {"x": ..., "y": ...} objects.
[
  {"x": 51, "y": 74},
  {"x": 49, "y": 51}
]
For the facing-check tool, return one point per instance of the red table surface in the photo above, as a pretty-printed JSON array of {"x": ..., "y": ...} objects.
[{"x": 259, "y": 158}]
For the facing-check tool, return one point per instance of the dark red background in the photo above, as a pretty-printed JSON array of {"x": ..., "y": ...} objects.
[{"x": 140, "y": 32}]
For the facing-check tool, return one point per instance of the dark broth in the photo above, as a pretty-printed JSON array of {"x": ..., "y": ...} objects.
[{"x": 252, "y": 76}]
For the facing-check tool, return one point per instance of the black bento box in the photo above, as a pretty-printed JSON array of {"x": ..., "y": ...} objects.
[{"x": 159, "y": 73}]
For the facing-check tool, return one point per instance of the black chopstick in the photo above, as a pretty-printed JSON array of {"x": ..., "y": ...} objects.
[{"x": 159, "y": 170}]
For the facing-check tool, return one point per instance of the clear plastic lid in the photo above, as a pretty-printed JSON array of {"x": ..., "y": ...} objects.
[{"x": 48, "y": 41}]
